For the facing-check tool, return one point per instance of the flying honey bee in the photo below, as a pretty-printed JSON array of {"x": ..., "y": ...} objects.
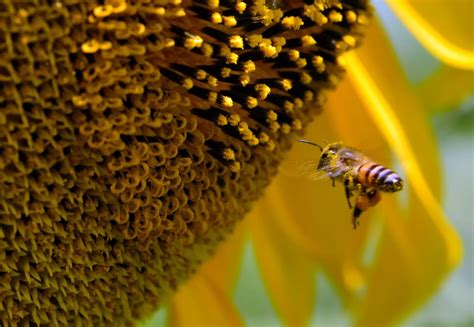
[{"x": 358, "y": 174}]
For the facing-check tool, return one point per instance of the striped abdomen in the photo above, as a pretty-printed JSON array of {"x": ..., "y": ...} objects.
[{"x": 377, "y": 176}]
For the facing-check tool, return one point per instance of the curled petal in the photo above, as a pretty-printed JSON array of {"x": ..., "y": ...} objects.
[
  {"x": 436, "y": 93},
  {"x": 224, "y": 267},
  {"x": 287, "y": 272},
  {"x": 201, "y": 302},
  {"x": 400, "y": 245},
  {"x": 434, "y": 25}
]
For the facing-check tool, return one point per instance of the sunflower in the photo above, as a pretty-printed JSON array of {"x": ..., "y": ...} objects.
[
  {"x": 299, "y": 228},
  {"x": 135, "y": 135}
]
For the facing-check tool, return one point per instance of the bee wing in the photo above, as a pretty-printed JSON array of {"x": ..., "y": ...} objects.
[
  {"x": 351, "y": 157},
  {"x": 306, "y": 169}
]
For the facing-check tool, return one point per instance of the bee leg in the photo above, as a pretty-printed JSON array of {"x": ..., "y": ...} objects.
[
  {"x": 374, "y": 197},
  {"x": 355, "y": 217},
  {"x": 362, "y": 204},
  {"x": 348, "y": 196},
  {"x": 333, "y": 182}
]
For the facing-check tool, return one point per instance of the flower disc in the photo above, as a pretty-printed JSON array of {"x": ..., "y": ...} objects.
[{"x": 135, "y": 135}]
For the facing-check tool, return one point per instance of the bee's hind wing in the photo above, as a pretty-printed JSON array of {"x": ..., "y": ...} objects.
[{"x": 306, "y": 169}]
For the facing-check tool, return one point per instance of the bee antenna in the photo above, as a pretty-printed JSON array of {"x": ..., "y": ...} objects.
[{"x": 308, "y": 142}]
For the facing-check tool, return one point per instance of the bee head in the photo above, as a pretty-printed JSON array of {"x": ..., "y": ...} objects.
[{"x": 328, "y": 155}]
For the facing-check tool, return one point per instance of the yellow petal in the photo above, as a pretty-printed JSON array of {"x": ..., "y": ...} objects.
[
  {"x": 396, "y": 136},
  {"x": 446, "y": 89},
  {"x": 213, "y": 283},
  {"x": 412, "y": 261},
  {"x": 403, "y": 125},
  {"x": 316, "y": 215},
  {"x": 224, "y": 267},
  {"x": 380, "y": 83},
  {"x": 201, "y": 302},
  {"x": 443, "y": 27},
  {"x": 288, "y": 275}
]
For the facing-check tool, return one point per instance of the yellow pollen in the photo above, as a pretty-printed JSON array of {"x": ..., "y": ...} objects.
[
  {"x": 263, "y": 138},
  {"x": 298, "y": 103},
  {"x": 228, "y": 154},
  {"x": 308, "y": 96},
  {"x": 232, "y": 58},
  {"x": 288, "y": 106},
  {"x": 243, "y": 126},
  {"x": 294, "y": 55},
  {"x": 224, "y": 50},
  {"x": 351, "y": 17},
  {"x": 308, "y": 41},
  {"x": 274, "y": 126},
  {"x": 180, "y": 12},
  {"x": 341, "y": 46},
  {"x": 240, "y": 6},
  {"x": 335, "y": 16},
  {"x": 272, "y": 115},
  {"x": 268, "y": 51},
  {"x": 236, "y": 41},
  {"x": 188, "y": 83},
  {"x": 234, "y": 120},
  {"x": 286, "y": 84},
  {"x": 229, "y": 21},
  {"x": 318, "y": 63},
  {"x": 362, "y": 19},
  {"x": 222, "y": 120},
  {"x": 334, "y": 80},
  {"x": 160, "y": 11},
  {"x": 278, "y": 41},
  {"x": 285, "y": 128},
  {"x": 212, "y": 98},
  {"x": 315, "y": 14},
  {"x": 297, "y": 125},
  {"x": 251, "y": 102},
  {"x": 270, "y": 145},
  {"x": 207, "y": 50},
  {"x": 292, "y": 22},
  {"x": 263, "y": 91},
  {"x": 253, "y": 141},
  {"x": 300, "y": 63},
  {"x": 254, "y": 40},
  {"x": 227, "y": 101},
  {"x": 193, "y": 41},
  {"x": 350, "y": 40},
  {"x": 201, "y": 74},
  {"x": 305, "y": 78},
  {"x": 234, "y": 167},
  {"x": 216, "y": 18},
  {"x": 244, "y": 79},
  {"x": 249, "y": 66},
  {"x": 341, "y": 61},
  {"x": 225, "y": 72},
  {"x": 213, "y": 4},
  {"x": 212, "y": 81}
]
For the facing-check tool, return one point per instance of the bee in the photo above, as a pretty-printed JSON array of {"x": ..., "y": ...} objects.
[{"x": 359, "y": 175}]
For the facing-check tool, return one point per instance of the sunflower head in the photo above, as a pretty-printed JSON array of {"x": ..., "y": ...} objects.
[{"x": 134, "y": 135}]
